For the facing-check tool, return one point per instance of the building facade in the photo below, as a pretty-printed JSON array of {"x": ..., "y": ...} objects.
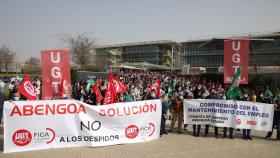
[
  {"x": 264, "y": 53},
  {"x": 206, "y": 55},
  {"x": 155, "y": 55}
]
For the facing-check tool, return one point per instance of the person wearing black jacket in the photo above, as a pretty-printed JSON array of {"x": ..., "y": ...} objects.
[
  {"x": 276, "y": 118},
  {"x": 197, "y": 95},
  {"x": 246, "y": 132},
  {"x": 212, "y": 96},
  {"x": 277, "y": 115},
  {"x": 2, "y": 99},
  {"x": 260, "y": 98},
  {"x": 91, "y": 99}
]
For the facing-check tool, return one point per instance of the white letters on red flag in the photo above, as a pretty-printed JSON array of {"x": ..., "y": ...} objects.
[
  {"x": 55, "y": 65},
  {"x": 156, "y": 87},
  {"x": 119, "y": 86},
  {"x": 236, "y": 54},
  {"x": 110, "y": 95},
  {"x": 27, "y": 89},
  {"x": 65, "y": 88}
]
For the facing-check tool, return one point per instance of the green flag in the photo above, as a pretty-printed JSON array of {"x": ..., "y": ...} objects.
[
  {"x": 267, "y": 93},
  {"x": 233, "y": 89},
  {"x": 90, "y": 83}
]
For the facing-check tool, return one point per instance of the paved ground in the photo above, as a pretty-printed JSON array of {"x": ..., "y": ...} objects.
[{"x": 171, "y": 145}]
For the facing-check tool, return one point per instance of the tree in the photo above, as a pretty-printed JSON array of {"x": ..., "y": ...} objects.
[
  {"x": 100, "y": 63},
  {"x": 82, "y": 48},
  {"x": 6, "y": 57},
  {"x": 32, "y": 65}
]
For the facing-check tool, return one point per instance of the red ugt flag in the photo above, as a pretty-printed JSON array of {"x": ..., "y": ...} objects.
[
  {"x": 156, "y": 87},
  {"x": 110, "y": 95},
  {"x": 119, "y": 86},
  {"x": 27, "y": 89},
  {"x": 96, "y": 90}
]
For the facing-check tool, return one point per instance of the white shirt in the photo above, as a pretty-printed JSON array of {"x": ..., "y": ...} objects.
[
  {"x": 11, "y": 86},
  {"x": 2, "y": 84}
]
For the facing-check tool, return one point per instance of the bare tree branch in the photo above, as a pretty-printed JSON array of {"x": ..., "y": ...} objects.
[
  {"x": 6, "y": 57},
  {"x": 82, "y": 48},
  {"x": 32, "y": 65}
]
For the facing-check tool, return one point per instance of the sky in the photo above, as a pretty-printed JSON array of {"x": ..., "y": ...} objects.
[{"x": 29, "y": 26}]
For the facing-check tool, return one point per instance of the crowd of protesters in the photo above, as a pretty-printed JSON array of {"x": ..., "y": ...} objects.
[{"x": 173, "y": 90}]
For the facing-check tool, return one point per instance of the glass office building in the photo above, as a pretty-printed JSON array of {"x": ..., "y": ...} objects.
[
  {"x": 207, "y": 54},
  {"x": 165, "y": 55}
]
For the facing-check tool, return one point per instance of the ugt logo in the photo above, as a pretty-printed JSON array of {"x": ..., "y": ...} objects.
[
  {"x": 29, "y": 88},
  {"x": 131, "y": 131},
  {"x": 22, "y": 137}
]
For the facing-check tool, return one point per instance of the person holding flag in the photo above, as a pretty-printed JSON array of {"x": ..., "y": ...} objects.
[
  {"x": 233, "y": 92},
  {"x": 154, "y": 91},
  {"x": 119, "y": 86},
  {"x": 233, "y": 89},
  {"x": 96, "y": 91},
  {"x": 90, "y": 84},
  {"x": 268, "y": 96},
  {"x": 115, "y": 86}
]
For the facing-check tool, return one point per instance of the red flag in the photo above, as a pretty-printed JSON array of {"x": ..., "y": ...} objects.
[
  {"x": 27, "y": 89},
  {"x": 119, "y": 86},
  {"x": 156, "y": 87},
  {"x": 65, "y": 88},
  {"x": 110, "y": 95},
  {"x": 96, "y": 90}
]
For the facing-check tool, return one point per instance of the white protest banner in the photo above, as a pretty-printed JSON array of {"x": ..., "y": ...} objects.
[
  {"x": 229, "y": 113},
  {"x": 34, "y": 125}
]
